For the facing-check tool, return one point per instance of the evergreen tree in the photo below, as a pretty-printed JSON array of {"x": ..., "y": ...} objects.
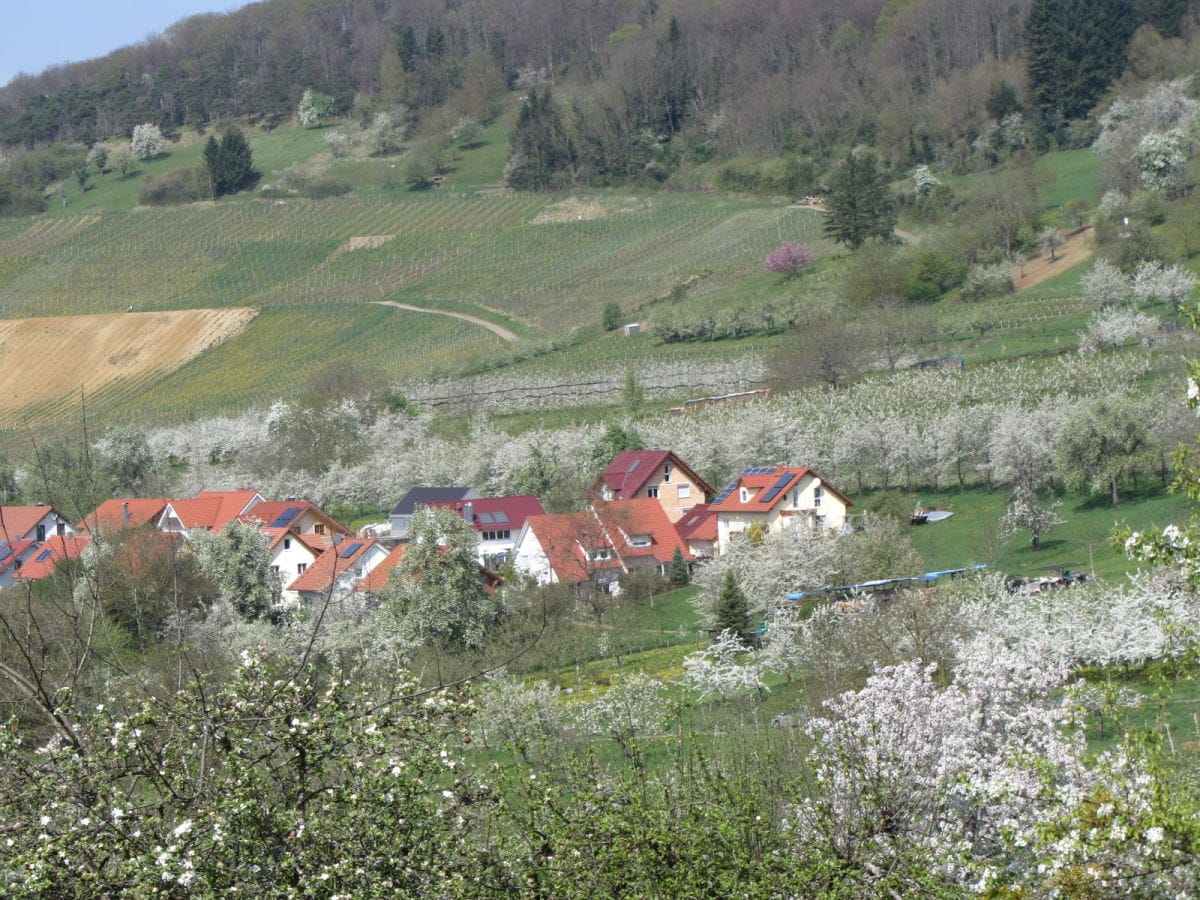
[
  {"x": 732, "y": 611},
  {"x": 680, "y": 574},
  {"x": 229, "y": 163},
  {"x": 1075, "y": 48},
  {"x": 237, "y": 161},
  {"x": 860, "y": 204},
  {"x": 211, "y": 158},
  {"x": 541, "y": 155}
]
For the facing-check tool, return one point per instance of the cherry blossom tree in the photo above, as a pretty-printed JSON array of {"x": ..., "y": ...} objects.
[
  {"x": 1156, "y": 283},
  {"x": 147, "y": 141},
  {"x": 789, "y": 259},
  {"x": 1027, "y": 512},
  {"x": 727, "y": 668}
]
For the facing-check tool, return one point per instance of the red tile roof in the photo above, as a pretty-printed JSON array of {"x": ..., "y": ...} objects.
[
  {"x": 117, "y": 513},
  {"x": 268, "y": 512},
  {"x": 566, "y": 539},
  {"x": 317, "y": 543},
  {"x": 18, "y": 521},
  {"x": 213, "y": 510},
  {"x": 698, "y": 524},
  {"x": 631, "y": 469},
  {"x": 619, "y": 525},
  {"x": 14, "y": 553},
  {"x": 44, "y": 560},
  {"x": 377, "y": 578},
  {"x": 762, "y": 482},
  {"x": 496, "y": 513},
  {"x": 333, "y": 563},
  {"x": 629, "y": 520}
]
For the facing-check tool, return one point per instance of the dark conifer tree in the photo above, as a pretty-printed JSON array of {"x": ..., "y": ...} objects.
[
  {"x": 1075, "y": 48},
  {"x": 732, "y": 612},
  {"x": 860, "y": 203}
]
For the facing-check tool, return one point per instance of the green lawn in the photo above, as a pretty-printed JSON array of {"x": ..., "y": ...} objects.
[
  {"x": 972, "y": 535},
  {"x": 1070, "y": 174}
]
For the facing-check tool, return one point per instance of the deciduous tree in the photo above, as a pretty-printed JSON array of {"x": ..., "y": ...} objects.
[{"x": 147, "y": 141}]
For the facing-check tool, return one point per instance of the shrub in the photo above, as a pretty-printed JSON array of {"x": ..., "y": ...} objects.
[
  {"x": 986, "y": 281},
  {"x": 179, "y": 186},
  {"x": 328, "y": 187},
  {"x": 931, "y": 274}
]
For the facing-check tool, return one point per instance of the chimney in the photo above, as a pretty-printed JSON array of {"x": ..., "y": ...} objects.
[
  {"x": 125, "y": 513},
  {"x": 469, "y": 513}
]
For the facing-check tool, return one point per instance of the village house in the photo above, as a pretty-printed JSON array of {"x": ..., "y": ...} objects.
[
  {"x": 772, "y": 498},
  {"x": 657, "y": 474},
  {"x": 497, "y": 521},
  {"x": 48, "y": 555},
  {"x": 598, "y": 545},
  {"x": 377, "y": 579},
  {"x": 402, "y": 512},
  {"x": 116, "y": 514},
  {"x": 32, "y": 523},
  {"x": 207, "y": 511},
  {"x": 698, "y": 529},
  {"x": 336, "y": 571}
]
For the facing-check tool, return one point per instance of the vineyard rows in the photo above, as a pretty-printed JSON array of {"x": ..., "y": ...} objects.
[
  {"x": 472, "y": 250},
  {"x": 286, "y": 346}
]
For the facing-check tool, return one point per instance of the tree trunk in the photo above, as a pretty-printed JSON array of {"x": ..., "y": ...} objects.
[{"x": 1116, "y": 500}]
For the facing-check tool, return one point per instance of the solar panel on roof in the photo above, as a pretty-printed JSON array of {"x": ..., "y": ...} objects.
[
  {"x": 501, "y": 518},
  {"x": 284, "y": 519},
  {"x": 44, "y": 555},
  {"x": 778, "y": 486},
  {"x": 725, "y": 493},
  {"x": 5, "y": 553},
  {"x": 484, "y": 518},
  {"x": 636, "y": 463},
  {"x": 350, "y": 549}
]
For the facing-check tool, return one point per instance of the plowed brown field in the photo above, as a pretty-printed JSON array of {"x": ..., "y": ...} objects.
[{"x": 49, "y": 359}]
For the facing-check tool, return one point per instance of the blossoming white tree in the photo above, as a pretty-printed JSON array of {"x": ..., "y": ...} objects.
[{"x": 147, "y": 141}]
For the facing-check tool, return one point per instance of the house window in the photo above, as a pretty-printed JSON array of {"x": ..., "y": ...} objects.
[
  {"x": 817, "y": 494},
  {"x": 744, "y": 495},
  {"x": 684, "y": 491},
  {"x": 602, "y": 553},
  {"x": 274, "y": 570},
  {"x": 318, "y": 528},
  {"x": 505, "y": 535},
  {"x": 300, "y": 567},
  {"x": 652, "y": 492},
  {"x": 41, "y": 531},
  {"x": 667, "y": 473},
  {"x": 61, "y": 529},
  {"x": 287, "y": 543},
  {"x": 796, "y": 498},
  {"x": 640, "y": 540},
  {"x": 820, "y": 521}
]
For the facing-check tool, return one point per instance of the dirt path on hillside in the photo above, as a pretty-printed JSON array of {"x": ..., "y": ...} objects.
[
  {"x": 1037, "y": 269},
  {"x": 499, "y": 330}
]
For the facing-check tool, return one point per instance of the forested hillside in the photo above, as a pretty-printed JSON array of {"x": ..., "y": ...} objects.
[{"x": 650, "y": 81}]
